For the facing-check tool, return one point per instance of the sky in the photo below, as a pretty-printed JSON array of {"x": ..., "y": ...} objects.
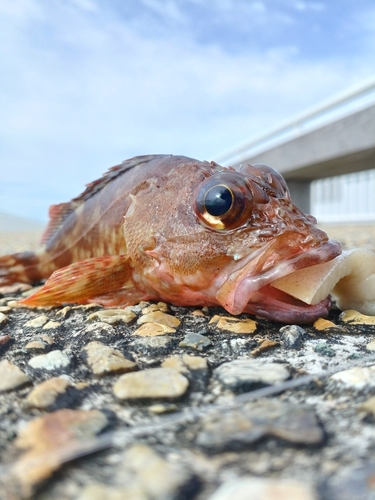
[{"x": 86, "y": 84}]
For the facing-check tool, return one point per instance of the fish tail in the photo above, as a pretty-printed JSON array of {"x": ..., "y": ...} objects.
[{"x": 22, "y": 267}]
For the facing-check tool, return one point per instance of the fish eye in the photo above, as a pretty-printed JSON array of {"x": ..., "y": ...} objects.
[
  {"x": 218, "y": 200},
  {"x": 224, "y": 202}
]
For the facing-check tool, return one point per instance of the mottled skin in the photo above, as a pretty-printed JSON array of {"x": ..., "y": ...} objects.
[{"x": 138, "y": 233}]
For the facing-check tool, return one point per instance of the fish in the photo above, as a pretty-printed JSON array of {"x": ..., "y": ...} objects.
[{"x": 180, "y": 230}]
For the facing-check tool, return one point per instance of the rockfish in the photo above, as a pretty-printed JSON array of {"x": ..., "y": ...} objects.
[{"x": 171, "y": 228}]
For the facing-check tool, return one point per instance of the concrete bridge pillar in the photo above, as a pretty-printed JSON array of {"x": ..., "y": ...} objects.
[{"x": 300, "y": 193}]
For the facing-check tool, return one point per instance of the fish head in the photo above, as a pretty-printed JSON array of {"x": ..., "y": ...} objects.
[{"x": 214, "y": 235}]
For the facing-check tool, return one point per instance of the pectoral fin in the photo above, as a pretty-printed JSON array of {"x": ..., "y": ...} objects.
[{"x": 81, "y": 281}]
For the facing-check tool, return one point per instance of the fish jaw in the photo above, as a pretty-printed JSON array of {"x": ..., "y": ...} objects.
[
  {"x": 247, "y": 288},
  {"x": 285, "y": 309}
]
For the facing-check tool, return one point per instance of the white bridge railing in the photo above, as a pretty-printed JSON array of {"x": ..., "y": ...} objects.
[{"x": 345, "y": 198}]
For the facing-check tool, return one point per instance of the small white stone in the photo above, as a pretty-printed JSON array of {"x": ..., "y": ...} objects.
[
  {"x": 239, "y": 372},
  {"x": 51, "y": 361},
  {"x": 51, "y": 324},
  {"x": 11, "y": 376},
  {"x": 37, "y": 322},
  {"x": 3, "y": 318},
  {"x": 256, "y": 488},
  {"x": 356, "y": 378},
  {"x": 152, "y": 383}
]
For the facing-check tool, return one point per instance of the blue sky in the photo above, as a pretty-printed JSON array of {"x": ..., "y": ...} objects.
[{"x": 85, "y": 84}]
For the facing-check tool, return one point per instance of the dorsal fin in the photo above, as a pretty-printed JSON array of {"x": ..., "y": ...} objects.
[{"x": 59, "y": 213}]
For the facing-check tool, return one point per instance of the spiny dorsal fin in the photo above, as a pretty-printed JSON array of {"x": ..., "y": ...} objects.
[{"x": 59, "y": 213}]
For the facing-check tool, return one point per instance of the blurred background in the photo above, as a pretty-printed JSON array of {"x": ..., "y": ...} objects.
[{"x": 86, "y": 84}]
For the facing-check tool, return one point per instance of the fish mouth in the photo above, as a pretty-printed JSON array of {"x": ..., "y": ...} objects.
[
  {"x": 276, "y": 305},
  {"x": 248, "y": 288}
]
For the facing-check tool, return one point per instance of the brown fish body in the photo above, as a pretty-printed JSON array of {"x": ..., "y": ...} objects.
[{"x": 176, "y": 229}]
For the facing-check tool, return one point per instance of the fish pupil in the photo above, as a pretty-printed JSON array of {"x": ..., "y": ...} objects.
[{"x": 218, "y": 200}]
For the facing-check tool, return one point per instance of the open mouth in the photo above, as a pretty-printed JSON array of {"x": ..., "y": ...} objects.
[
  {"x": 274, "y": 304},
  {"x": 247, "y": 291}
]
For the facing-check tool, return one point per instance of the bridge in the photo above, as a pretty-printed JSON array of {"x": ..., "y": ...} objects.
[{"x": 337, "y": 137}]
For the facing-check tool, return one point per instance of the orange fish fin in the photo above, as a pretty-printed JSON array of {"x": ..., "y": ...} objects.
[{"x": 83, "y": 280}]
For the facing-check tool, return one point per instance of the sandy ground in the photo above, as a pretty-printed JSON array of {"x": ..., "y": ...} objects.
[
  {"x": 350, "y": 236},
  {"x": 19, "y": 241}
]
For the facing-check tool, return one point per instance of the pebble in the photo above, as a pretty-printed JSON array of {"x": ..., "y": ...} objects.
[
  {"x": 153, "y": 330},
  {"x": 98, "y": 491},
  {"x": 255, "y": 488},
  {"x": 175, "y": 361},
  {"x": 99, "y": 329},
  {"x": 51, "y": 361},
  {"x": 160, "y": 306},
  {"x": 324, "y": 349},
  {"x": 292, "y": 336},
  {"x": 163, "y": 408},
  {"x": 11, "y": 376},
  {"x": 137, "y": 308},
  {"x": 151, "y": 383},
  {"x": 265, "y": 345},
  {"x": 234, "y": 325},
  {"x": 142, "y": 474},
  {"x": 40, "y": 342},
  {"x": 113, "y": 316},
  {"x": 244, "y": 374},
  {"x": 322, "y": 324},
  {"x": 185, "y": 363},
  {"x": 51, "y": 324},
  {"x": 103, "y": 359},
  {"x": 37, "y": 322},
  {"x": 3, "y": 318},
  {"x": 249, "y": 423},
  {"x": 157, "y": 477},
  {"x": 47, "y": 338},
  {"x": 368, "y": 406},
  {"x": 64, "y": 311},
  {"x": 5, "y": 309},
  {"x": 356, "y": 378},
  {"x": 35, "y": 344},
  {"x": 152, "y": 343},
  {"x": 356, "y": 318},
  {"x": 371, "y": 346},
  {"x": 160, "y": 318},
  {"x": 86, "y": 307},
  {"x": 195, "y": 362},
  {"x": 4, "y": 339},
  {"x": 198, "y": 312},
  {"x": 195, "y": 341},
  {"x": 13, "y": 303},
  {"x": 44, "y": 436},
  {"x": 45, "y": 394}
]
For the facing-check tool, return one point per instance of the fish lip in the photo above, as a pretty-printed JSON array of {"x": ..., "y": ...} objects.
[
  {"x": 284, "y": 312},
  {"x": 246, "y": 292}
]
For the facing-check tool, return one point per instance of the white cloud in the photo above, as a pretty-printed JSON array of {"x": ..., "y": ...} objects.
[{"x": 84, "y": 89}]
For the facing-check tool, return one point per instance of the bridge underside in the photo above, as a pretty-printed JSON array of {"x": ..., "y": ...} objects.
[{"x": 344, "y": 146}]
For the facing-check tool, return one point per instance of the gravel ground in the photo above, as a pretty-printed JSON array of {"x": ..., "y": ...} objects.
[{"x": 205, "y": 406}]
